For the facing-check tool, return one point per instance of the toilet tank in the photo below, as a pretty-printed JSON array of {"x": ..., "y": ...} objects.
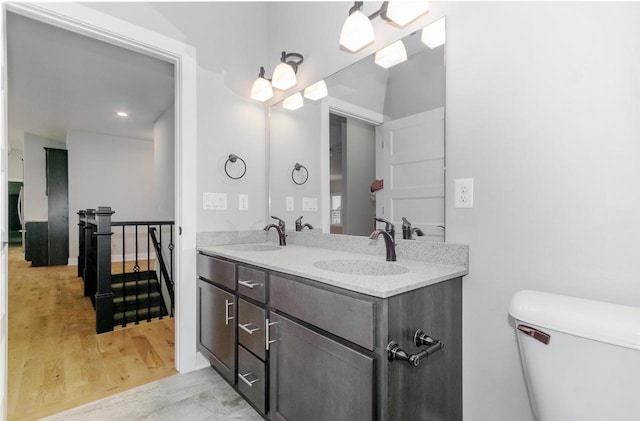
[{"x": 581, "y": 358}]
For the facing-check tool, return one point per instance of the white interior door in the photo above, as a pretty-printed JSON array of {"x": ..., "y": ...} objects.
[{"x": 413, "y": 162}]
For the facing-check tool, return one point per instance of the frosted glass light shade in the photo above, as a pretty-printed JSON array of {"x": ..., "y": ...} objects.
[
  {"x": 283, "y": 77},
  {"x": 357, "y": 32},
  {"x": 391, "y": 55},
  {"x": 316, "y": 91},
  {"x": 403, "y": 12},
  {"x": 434, "y": 35},
  {"x": 261, "y": 90},
  {"x": 293, "y": 102}
]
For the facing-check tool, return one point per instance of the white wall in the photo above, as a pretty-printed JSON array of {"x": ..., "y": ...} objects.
[
  {"x": 109, "y": 171},
  {"x": 15, "y": 172},
  {"x": 164, "y": 164},
  {"x": 295, "y": 136},
  {"x": 35, "y": 176}
]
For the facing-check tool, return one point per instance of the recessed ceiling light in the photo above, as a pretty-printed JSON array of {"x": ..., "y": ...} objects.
[{"x": 122, "y": 114}]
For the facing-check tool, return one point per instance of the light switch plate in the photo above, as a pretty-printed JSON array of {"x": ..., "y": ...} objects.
[
  {"x": 464, "y": 193},
  {"x": 290, "y": 204},
  {"x": 243, "y": 202},
  {"x": 310, "y": 204},
  {"x": 214, "y": 201}
]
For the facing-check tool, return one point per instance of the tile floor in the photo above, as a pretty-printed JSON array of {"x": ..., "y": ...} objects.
[{"x": 199, "y": 395}]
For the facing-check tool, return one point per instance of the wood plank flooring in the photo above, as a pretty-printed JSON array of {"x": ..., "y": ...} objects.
[{"x": 56, "y": 360}]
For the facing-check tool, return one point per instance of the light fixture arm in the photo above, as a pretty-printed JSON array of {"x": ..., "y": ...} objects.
[
  {"x": 292, "y": 59},
  {"x": 382, "y": 12}
]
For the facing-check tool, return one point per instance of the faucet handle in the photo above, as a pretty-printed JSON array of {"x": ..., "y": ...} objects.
[
  {"x": 299, "y": 221},
  {"x": 388, "y": 227},
  {"x": 280, "y": 221},
  {"x": 405, "y": 223}
]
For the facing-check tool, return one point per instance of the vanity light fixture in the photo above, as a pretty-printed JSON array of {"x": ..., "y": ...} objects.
[
  {"x": 284, "y": 77},
  {"x": 391, "y": 55},
  {"x": 357, "y": 30},
  {"x": 316, "y": 91},
  {"x": 261, "y": 89},
  {"x": 122, "y": 114},
  {"x": 293, "y": 102},
  {"x": 434, "y": 34}
]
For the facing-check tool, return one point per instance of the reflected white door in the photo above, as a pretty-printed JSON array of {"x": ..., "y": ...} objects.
[{"x": 413, "y": 162}]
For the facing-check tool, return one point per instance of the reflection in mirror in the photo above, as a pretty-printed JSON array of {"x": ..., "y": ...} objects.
[{"x": 375, "y": 124}]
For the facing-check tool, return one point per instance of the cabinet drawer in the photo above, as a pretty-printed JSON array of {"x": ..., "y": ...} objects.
[
  {"x": 347, "y": 317},
  {"x": 251, "y": 323},
  {"x": 252, "y": 283},
  {"x": 216, "y": 270},
  {"x": 252, "y": 378}
]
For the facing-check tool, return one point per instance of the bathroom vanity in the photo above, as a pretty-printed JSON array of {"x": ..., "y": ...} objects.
[{"x": 305, "y": 333}]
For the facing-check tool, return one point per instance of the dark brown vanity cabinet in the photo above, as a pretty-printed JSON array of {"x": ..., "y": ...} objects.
[
  {"x": 216, "y": 310},
  {"x": 305, "y": 350}
]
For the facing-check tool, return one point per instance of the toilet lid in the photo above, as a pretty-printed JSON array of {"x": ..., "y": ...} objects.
[{"x": 605, "y": 322}]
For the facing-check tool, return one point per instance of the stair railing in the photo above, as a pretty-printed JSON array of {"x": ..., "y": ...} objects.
[{"x": 133, "y": 285}]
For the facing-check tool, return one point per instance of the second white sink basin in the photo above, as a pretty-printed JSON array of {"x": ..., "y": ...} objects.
[{"x": 361, "y": 267}]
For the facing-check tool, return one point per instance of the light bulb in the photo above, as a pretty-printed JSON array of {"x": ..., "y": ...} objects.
[
  {"x": 283, "y": 77},
  {"x": 261, "y": 90},
  {"x": 434, "y": 35},
  {"x": 293, "y": 102},
  {"x": 357, "y": 32},
  {"x": 391, "y": 55},
  {"x": 316, "y": 91},
  {"x": 403, "y": 12}
]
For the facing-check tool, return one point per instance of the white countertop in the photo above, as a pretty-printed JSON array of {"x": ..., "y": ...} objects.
[{"x": 299, "y": 260}]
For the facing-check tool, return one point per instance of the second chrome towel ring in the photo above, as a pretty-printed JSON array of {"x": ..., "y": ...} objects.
[
  {"x": 233, "y": 159},
  {"x": 301, "y": 177}
]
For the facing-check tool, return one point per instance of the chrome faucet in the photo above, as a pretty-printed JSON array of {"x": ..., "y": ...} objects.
[
  {"x": 408, "y": 231},
  {"x": 300, "y": 225},
  {"x": 388, "y": 234},
  {"x": 280, "y": 228}
]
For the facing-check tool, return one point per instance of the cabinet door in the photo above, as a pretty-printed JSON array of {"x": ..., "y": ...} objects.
[
  {"x": 216, "y": 328},
  {"x": 316, "y": 378}
]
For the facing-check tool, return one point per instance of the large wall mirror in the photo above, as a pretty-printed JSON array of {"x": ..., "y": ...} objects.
[{"x": 375, "y": 124}]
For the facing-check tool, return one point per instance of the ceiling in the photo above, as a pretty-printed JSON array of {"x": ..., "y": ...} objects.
[{"x": 59, "y": 81}]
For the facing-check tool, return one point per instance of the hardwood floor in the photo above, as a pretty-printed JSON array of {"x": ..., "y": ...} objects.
[{"x": 56, "y": 360}]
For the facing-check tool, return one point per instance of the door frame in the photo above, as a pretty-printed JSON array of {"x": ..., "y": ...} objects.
[{"x": 88, "y": 22}]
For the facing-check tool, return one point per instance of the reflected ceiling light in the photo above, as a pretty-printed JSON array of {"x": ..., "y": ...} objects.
[
  {"x": 122, "y": 114},
  {"x": 403, "y": 12},
  {"x": 357, "y": 31},
  {"x": 284, "y": 75},
  {"x": 261, "y": 89},
  {"x": 293, "y": 102},
  {"x": 391, "y": 55},
  {"x": 434, "y": 34},
  {"x": 316, "y": 91}
]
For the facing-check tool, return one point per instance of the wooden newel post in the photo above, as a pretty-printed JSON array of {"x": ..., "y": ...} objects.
[
  {"x": 104, "y": 295},
  {"x": 82, "y": 223}
]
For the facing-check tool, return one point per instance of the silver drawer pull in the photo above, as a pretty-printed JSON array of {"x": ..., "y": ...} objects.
[
  {"x": 249, "y": 383},
  {"x": 268, "y": 342},
  {"x": 249, "y": 284},
  {"x": 227, "y": 318},
  {"x": 246, "y": 329}
]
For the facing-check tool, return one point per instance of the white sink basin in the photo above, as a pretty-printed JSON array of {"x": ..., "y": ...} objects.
[
  {"x": 361, "y": 267},
  {"x": 253, "y": 247}
]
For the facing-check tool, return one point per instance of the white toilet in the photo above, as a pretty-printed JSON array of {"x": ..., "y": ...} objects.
[{"x": 581, "y": 358}]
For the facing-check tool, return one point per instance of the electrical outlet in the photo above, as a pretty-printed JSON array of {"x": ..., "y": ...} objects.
[
  {"x": 464, "y": 193},
  {"x": 289, "y": 203}
]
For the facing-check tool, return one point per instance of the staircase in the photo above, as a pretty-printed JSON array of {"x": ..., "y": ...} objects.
[{"x": 136, "y": 296}]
